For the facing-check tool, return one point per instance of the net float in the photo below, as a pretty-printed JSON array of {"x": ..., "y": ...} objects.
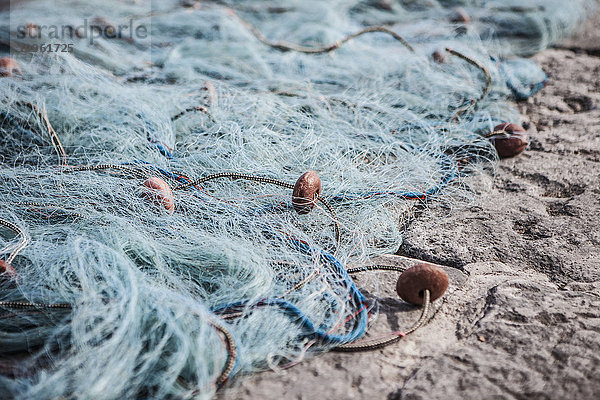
[
  {"x": 9, "y": 67},
  {"x": 306, "y": 191},
  {"x": 439, "y": 56},
  {"x": 413, "y": 282},
  {"x": 107, "y": 27},
  {"x": 511, "y": 140},
  {"x": 459, "y": 16},
  {"x": 8, "y": 270},
  {"x": 159, "y": 192},
  {"x": 32, "y": 30}
]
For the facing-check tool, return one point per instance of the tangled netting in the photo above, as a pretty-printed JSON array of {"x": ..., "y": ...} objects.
[{"x": 113, "y": 294}]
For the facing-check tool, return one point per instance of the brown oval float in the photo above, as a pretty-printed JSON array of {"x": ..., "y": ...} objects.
[
  {"x": 7, "y": 270},
  {"x": 9, "y": 67},
  {"x": 439, "y": 56},
  {"x": 413, "y": 282},
  {"x": 160, "y": 192},
  {"x": 305, "y": 193},
  {"x": 512, "y": 145},
  {"x": 460, "y": 16}
]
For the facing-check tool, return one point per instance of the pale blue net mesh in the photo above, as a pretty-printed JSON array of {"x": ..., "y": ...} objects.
[{"x": 162, "y": 304}]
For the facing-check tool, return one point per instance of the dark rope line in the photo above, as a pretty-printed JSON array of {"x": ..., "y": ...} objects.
[
  {"x": 488, "y": 78},
  {"x": 336, "y": 222},
  {"x": 58, "y": 147},
  {"x": 235, "y": 175},
  {"x": 232, "y": 354},
  {"x": 192, "y": 109},
  {"x": 369, "y": 345},
  {"x": 366, "y": 268},
  {"x": 19, "y": 232},
  {"x": 42, "y": 206},
  {"x": 133, "y": 172},
  {"x": 300, "y": 284},
  {"x": 284, "y": 46},
  {"x": 30, "y": 305}
]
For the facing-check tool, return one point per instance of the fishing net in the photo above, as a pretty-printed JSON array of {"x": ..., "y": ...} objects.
[{"x": 112, "y": 290}]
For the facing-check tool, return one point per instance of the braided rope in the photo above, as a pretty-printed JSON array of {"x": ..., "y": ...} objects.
[
  {"x": 235, "y": 175},
  {"x": 365, "y": 268},
  {"x": 369, "y": 345},
  {"x": 336, "y": 222},
  {"x": 230, "y": 362},
  {"x": 22, "y": 244},
  {"x": 303, "y": 282},
  {"x": 488, "y": 80},
  {"x": 192, "y": 109},
  {"x": 58, "y": 147},
  {"x": 32, "y": 204},
  {"x": 284, "y": 46},
  {"x": 132, "y": 171},
  {"x": 27, "y": 305}
]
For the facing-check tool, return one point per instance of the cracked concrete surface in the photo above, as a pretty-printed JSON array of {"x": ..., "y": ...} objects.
[{"x": 525, "y": 324}]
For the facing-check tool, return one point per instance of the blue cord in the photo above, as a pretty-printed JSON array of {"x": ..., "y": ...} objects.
[{"x": 301, "y": 317}]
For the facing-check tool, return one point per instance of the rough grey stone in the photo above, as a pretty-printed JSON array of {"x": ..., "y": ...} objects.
[{"x": 528, "y": 340}]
